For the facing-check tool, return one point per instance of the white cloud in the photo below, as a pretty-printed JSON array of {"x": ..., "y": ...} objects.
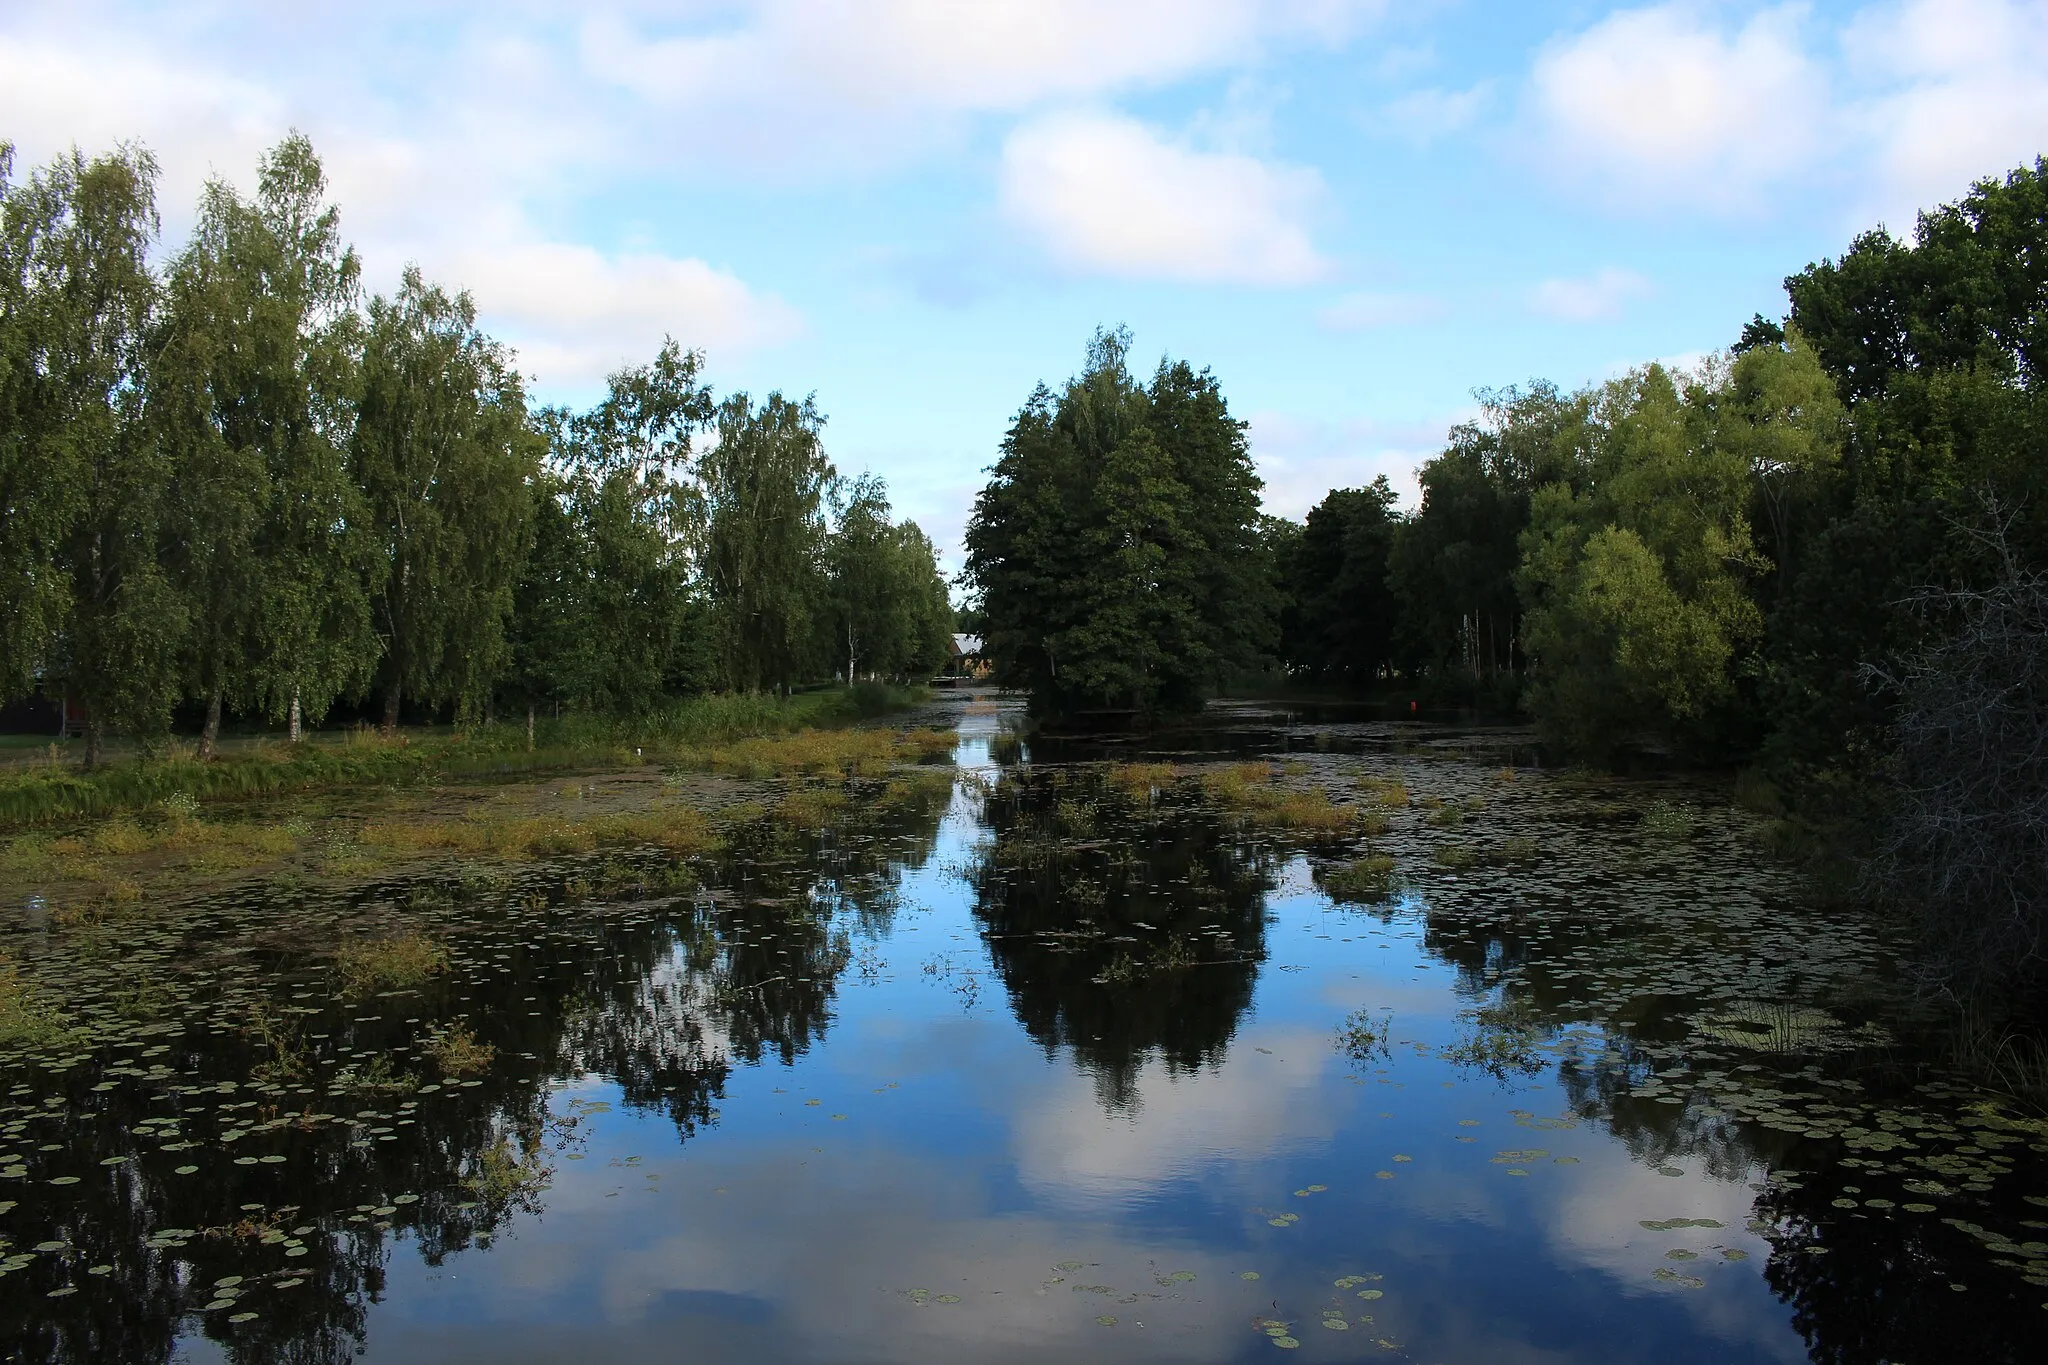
[
  {"x": 1106, "y": 194},
  {"x": 1302, "y": 459},
  {"x": 1069, "y": 1147},
  {"x": 456, "y": 193},
  {"x": 1363, "y": 311},
  {"x": 943, "y": 55},
  {"x": 1599, "y": 297},
  {"x": 1957, "y": 93},
  {"x": 1663, "y": 101},
  {"x": 577, "y": 314},
  {"x": 1425, "y": 115}
]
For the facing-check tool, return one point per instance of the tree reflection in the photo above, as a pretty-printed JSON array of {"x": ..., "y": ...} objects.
[
  {"x": 1123, "y": 923},
  {"x": 275, "y": 1243}
]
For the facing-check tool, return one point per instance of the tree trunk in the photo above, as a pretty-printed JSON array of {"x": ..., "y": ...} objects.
[
  {"x": 296, "y": 732},
  {"x": 529, "y": 727},
  {"x": 390, "y": 725},
  {"x": 95, "y": 738},
  {"x": 209, "y": 734}
]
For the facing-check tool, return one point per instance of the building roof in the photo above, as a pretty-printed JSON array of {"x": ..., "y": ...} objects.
[{"x": 965, "y": 645}]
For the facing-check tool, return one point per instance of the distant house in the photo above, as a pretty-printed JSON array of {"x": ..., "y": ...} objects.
[{"x": 965, "y": 660}]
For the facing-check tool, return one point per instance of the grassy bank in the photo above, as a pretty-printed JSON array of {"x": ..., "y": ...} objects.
[{"x": 698, "y": 725}]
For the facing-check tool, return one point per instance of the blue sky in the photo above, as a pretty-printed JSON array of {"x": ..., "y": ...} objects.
[{"x": 1356, "y": 211}]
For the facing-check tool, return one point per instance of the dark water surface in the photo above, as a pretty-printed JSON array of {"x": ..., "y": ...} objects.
[{"x": 1031, "y": 1058}]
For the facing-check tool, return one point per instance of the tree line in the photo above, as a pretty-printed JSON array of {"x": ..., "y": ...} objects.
[
  {"x": 231, "y": 482},
  {"x": 1818, "y": 555}
]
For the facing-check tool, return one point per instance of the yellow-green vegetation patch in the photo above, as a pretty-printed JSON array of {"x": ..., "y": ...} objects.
[
  {"x": 1141, "y": 781},
  {"x": 391, "y": 963},
  {"x": 25, "y": 1020},
  {"x": 1367, "y": 881},
  {"x": 823, "y": 753},
  {"x": 455, "y": 1050}
]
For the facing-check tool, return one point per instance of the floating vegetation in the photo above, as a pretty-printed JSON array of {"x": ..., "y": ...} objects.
[
  {"x": 211, "y": 1073},
  {"x": 1772, "y": 1026},
  {"x": 25, "y": 1021},
  {"x": 1141, "y": 781},
  {"x": 391, "y": 963},
  {"x": 455, "y": 1051},
  {"x": 1667, "y": 820},
  {"x": 1366, "y": 881},
  {"x": 1363, "y": 1036}
]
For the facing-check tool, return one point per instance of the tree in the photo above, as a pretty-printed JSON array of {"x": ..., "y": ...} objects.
[
  {"x": 1116, "y": 547},
  {"x": 444, "y": 455},
  {"x": 759, "y": 530},
  {"x": 1343, "y": 615},
  {"x": 252, "y": 392},
  {"x": 83, "y": 477},
  {"x": 1453, "y": 565},
  {"x": 1636, "y": 573},
  {"x": 886, "y": 605}
]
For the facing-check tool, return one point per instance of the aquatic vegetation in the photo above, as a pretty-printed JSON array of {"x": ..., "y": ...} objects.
[
  {"x": 679, "y": 829},
  {"x": 455, "y": 1050},
  {"x": 1364, "y": 1034},
  {"x": 1368, "y": 880},
  {"x": 1667, "y": 820},
  {"x": 811, "y": 807},
  {"x": 401, "y": 960},
  {"x": 287, "y": 1056},
  {"x": 820, "y": 753},
  {"x": 25, "y": 1021},
  {"x": 1141, "y": 781},
  {"x": 377, "y": 1076},
  {"x": 1453, "y": 857},
  {"x": 1447, "y": 814},
  {"x": 1520, "y": 849},
  {"x": 1390, "y": 792}
]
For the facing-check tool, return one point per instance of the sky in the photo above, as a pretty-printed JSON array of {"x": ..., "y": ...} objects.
[{"x": 1356, "y": 212}]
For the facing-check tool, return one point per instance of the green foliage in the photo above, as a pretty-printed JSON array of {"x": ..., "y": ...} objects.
[
  {"x": 1342, "y": 614},
  {"x": 84, "y": 482},
  {"x": 252, "y": 393},
  {"x": 886, "y": 606},
  {"x": 1637, "y": 571},
  {"x": 31, "y": 796},
  {"x": 760, "y": 528},
  {"x": 1117, "y": 548},
  {"x": 443, "y": 455}
]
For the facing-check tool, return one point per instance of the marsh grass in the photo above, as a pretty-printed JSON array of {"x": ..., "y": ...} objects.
[
  {"x": 1389, "y": 792},
  {"x": 1454, "y": 857},
  {"x": 1668, "y": 821},
  {"x": 1448, "y": 814},
  {"x": 1141, "y": 781},
  {"x": 392, "y": 963},
  {"x": 1363, "y": 1036},
  {"x": 358, "y": 758},
  {"x": 375, "y": 1077},
  {"x": 25, "y": 1021},
  {"x": 1366, "y": 881},
  {"x": 1520, "y": 849},
  {"x": 1249, "y": 791},
  {"x": 678, "y": 829},
  {"x": 823, "y": 753},
  {"x": 288, "y": 1057},
  {"x": 455, "y": 1050},
  {"x": 503, "y": 1175}
]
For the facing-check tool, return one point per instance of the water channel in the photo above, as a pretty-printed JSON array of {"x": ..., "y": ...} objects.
[{"x": 1038, "y": 1053}]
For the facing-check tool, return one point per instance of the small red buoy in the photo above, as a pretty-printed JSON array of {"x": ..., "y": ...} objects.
[{"x": 1413, "y": 707}]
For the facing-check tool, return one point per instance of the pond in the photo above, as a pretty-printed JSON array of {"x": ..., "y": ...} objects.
[{"x": 1287, "y": 1033}]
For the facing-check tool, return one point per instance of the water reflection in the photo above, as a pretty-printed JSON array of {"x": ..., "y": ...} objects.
[
  {"x": 1124, "y": 923},
  {"x": 1634, "y": 1071}
]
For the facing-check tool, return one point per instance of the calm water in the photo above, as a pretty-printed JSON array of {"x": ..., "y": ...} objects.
[{"x": 1021, "y": 1060}]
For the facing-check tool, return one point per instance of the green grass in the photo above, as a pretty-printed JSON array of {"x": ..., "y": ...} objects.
[{"x": 40, "y": 794}]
